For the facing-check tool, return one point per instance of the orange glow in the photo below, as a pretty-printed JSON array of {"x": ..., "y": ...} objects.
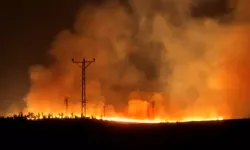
[
  {"x": 123, "y": 119},
  {"x": 137, "y": 111},
  {"x": 131, "y": 120},
  {"x": 202, "y": 73}
]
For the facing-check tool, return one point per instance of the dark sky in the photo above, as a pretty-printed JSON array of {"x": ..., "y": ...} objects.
[{"x": 27, "y": 30}]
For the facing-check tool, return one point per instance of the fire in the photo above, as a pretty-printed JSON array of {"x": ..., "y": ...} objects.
[
  {"x": 32, "y": 116},
  {"x": 138, "y": 111},
  {"x": 117, "y": 119},
  {"x": 198, "y": 75}
]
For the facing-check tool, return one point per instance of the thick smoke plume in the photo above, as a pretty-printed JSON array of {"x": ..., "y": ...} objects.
[{"x": 148, "y": 50}]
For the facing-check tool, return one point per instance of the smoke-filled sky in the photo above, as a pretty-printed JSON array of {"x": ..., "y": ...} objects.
[{"x": 155, "y": 46}]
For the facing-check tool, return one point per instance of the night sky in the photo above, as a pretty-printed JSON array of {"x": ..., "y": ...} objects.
[{"x": 28, "y": 28}]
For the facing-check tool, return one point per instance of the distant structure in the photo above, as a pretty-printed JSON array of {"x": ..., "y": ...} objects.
[
  {"x": 66, "y": 101},
  {"x": 104, "y": 110},
  {"x": 151, "y": 110},
  {"x": 84, "y": 65}
]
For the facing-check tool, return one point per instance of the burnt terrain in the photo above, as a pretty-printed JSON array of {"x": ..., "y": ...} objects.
[{"x": 93, "y": 134}]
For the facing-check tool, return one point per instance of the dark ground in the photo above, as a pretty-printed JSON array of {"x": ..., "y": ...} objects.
[{"x": 90, "y": 134}]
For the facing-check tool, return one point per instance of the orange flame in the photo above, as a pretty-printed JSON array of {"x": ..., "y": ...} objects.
[{"x": 131, "y": 120}]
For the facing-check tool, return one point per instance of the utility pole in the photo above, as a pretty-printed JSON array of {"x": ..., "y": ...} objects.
[
  {"x": 84, "y": 65},
  {"x": 104, "y": 110},
  {"x": 66, "y": 101},
  {"x": 153, "y": 109}
]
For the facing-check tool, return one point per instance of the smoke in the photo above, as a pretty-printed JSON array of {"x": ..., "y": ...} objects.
[
  {"x": 242, "y": 13},
  {"x": 148, "y": 50}
]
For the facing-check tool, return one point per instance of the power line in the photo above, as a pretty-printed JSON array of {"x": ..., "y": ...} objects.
[{"x": 84, "y": 65}]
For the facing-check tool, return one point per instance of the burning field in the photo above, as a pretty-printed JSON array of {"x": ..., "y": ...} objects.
[
  {"x": 61, "y": 116},
  {"x": 155, "y": 62}
]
